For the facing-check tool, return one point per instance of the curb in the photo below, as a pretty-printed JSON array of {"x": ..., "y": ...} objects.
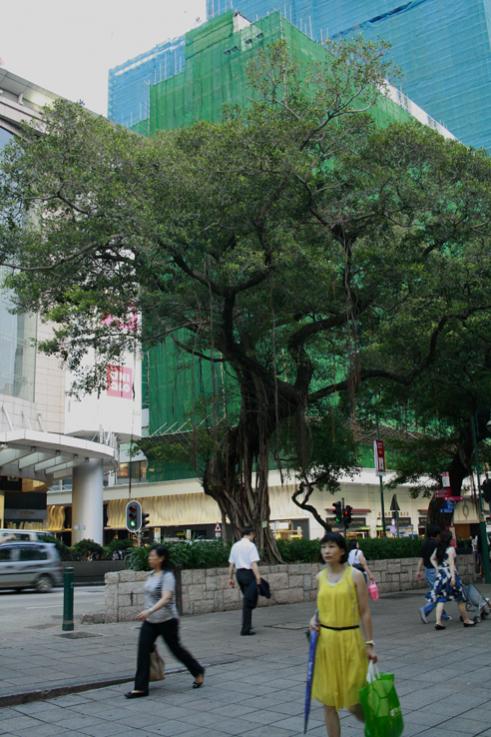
[
  {"x": 51, "y": 693},
  {"x": 41, "y": 694}
]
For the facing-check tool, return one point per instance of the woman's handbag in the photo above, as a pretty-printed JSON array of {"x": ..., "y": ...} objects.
[
  {"x": 373, "y": 591},
  {"x": 157, "y": 666},
  {"x": 380, "y": 703}
]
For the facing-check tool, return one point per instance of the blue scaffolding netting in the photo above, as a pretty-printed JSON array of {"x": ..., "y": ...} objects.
[{"x": 442, "y": 48}]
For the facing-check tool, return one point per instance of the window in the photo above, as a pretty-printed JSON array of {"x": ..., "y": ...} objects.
[
  {"x": 5, "y": 137},
  {"x": 138, "y": 471},
  {"x": 17, "y": 349},
  {"x": 32, "y": 553},
  {"x": 5, "y": 553}
]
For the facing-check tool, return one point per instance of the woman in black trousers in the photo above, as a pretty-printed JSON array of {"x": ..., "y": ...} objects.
[{"x": 160, "y": 617}]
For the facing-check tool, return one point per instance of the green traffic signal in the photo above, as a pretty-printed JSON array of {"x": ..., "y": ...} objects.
[{"x": 133, "y": 516}]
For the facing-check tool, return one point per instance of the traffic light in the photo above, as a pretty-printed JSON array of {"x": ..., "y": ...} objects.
[
  {"x": 337, "y": 509},
  {"x": 147, "y": 533},
  {"x": 133, "y": 516},
  {"x": 347, "y": 515}
]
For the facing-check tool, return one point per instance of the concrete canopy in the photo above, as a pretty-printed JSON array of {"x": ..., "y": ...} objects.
[{"x": 47, "y": 456}]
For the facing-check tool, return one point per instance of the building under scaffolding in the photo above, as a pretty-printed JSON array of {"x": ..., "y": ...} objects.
[
  {"x": 178, "y": 387},
  {"x": 442, "y": 47}
]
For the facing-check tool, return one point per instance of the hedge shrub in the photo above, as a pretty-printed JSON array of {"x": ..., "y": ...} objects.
[{"x": 214, "y": 554}]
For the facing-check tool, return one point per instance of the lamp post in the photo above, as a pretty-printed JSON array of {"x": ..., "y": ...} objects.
[{"x": 482, "y": 522}]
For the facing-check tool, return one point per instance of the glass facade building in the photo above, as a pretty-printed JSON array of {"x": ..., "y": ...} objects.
[
  {"x": 17, "y": 337},
  {"x": 442, "y": 47},
  {"x": 129, "y": 83}
]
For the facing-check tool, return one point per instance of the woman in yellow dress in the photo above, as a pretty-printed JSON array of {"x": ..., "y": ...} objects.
[{"x": 342, "y": 655}]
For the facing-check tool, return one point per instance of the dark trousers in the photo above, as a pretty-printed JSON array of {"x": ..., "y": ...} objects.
[
  {"x": 170, "y": 633},
  {"x": 247, "y": 583}
]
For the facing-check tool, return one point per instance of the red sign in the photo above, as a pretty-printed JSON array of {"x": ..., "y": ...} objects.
[
  {"x": 379, "y": 456},
  {"x": 120, "y": 382},
  {"x": 447, "y": 494}
]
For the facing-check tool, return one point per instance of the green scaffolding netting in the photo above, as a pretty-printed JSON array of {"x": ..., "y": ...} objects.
[
  {"x": 181, "y": 391},
  {"x": 218, "y": 55}
]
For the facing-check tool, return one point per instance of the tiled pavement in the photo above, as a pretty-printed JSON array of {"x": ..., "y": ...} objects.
[{"x": 443, "y": 679}]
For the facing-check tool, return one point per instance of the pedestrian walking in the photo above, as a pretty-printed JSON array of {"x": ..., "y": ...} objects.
[
  {"x": 244, "y": 559},
  {"x": 342, "y": 615},
  {"x": 356, "y": 559},
  {"x": 448, "y": 584},
  {"x": 426, "y": 569},
  {"x": 160, "y": 617}
]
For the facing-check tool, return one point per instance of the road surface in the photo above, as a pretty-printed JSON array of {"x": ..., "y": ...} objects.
[{"x": 31, "y": 611}]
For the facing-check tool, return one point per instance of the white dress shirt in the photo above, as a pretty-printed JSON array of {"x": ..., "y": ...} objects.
[{"x": 243, "y": 554}]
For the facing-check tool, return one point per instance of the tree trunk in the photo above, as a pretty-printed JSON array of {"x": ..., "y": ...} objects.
[
  {"x": 236, "y": 475},
  {"x": 460, "y": 466}
]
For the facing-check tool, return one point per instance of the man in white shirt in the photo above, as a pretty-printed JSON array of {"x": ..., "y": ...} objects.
[{"x": 244, "y": 559}]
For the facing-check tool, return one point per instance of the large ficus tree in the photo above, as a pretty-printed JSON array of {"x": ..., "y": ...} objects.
[{"x": 293, "y": 241}]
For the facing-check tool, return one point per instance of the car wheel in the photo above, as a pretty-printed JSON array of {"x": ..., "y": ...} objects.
[{"x": 44, "y": 584}]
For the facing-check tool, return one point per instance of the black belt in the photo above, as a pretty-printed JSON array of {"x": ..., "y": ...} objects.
[{"x": 339, "y": 629}]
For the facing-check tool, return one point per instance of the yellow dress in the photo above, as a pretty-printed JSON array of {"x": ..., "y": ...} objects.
[{"x": 341, "y": 662}]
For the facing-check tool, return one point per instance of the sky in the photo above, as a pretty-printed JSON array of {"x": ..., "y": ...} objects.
[{"x": 68, "y": 46}]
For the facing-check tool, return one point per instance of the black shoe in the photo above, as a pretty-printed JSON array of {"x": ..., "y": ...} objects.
[
  {"x": 135, "y": 694},
  {"x": 198, "y": 684},
  {"x": 440, "y": 627},
  {"x": 246, "y": 634},
  {"x": 469, "y": 624}
]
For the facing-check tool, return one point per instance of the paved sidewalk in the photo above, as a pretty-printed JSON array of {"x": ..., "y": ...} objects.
[{"x": 254, "y": 685}]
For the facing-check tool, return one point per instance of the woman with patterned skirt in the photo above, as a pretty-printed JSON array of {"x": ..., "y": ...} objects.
[{"x": 448, "y": 584}]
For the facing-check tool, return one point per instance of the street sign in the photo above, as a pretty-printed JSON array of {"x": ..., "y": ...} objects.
[
  {"x": 445, "y": 479},
  {"x": 448, "y": 507},
  {"x": 379, "y": 456}
]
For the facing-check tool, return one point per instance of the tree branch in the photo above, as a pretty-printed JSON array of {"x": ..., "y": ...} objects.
[{"x": 303, "y": 504}]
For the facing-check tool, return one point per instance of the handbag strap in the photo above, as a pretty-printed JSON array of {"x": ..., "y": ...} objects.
[{"x": 373, "y": 672}]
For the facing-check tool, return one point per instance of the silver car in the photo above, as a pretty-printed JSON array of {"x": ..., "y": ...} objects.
[{"x": 28, "y": 565}]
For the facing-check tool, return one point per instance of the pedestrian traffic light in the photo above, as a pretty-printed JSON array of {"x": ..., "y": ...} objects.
[
  {"x": 145, "y": 520},
  {"x": 133, "y": 516},
  {"x": 337, "y": 509},
  {"x": 347, "y": 515}
]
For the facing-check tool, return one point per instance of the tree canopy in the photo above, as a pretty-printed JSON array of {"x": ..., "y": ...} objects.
[{"x": 312, "y": 252}]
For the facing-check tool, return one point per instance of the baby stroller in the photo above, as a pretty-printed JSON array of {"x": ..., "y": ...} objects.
[{"x": 475, "y": 603}]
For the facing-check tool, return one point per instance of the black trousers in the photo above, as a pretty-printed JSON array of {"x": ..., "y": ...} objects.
[
  {"x": 247, "y": 584},
  {"x": 170, "y": 633}
]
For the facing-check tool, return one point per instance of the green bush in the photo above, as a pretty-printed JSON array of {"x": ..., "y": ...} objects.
[
  {"x": 379, "y": 548},
  {"x": 116, "y": 545},
  {"x": 84, "y": 549},
  {"x": 308, "y": 551},
  {"x": 64, "y": 551},
  {"x": 214, "y": 554},
  {"x": 299, "y": 551},
  {"x": 137, "y": 559}
]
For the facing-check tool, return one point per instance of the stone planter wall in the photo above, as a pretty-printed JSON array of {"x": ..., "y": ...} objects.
[{"x": 205, "y": 590}]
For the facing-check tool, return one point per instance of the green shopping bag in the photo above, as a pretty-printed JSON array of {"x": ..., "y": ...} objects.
[{"x": 380, "y": 703}]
